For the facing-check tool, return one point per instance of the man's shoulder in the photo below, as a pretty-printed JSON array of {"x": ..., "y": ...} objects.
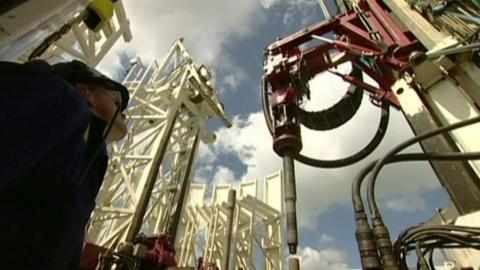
[
  {"x": 40, "y": 112},
  {"x": 28, "y": 69}
]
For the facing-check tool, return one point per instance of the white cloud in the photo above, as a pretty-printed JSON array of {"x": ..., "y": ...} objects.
[
  {"x": 406, "y": 204},
  {"x": 223, "y": 175},
  {"x": 209, "y": 173},
  {"x": 205, "y": 154},
  {"x": 324, "y": 259},
  {"x": 203, "y": 174},
  {"x": 326, "y": 239},
  {"x": 232, "y": 80},
  {"x": 207, "y": 26},
  {"x": 302, "y": 11},
  {"x": 269, "y": 3}
]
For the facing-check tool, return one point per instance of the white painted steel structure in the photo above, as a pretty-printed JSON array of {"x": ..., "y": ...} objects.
[
  {"x": 26, "y": 26},
  {"x": 169, "y": 105},
  {"x": 450, "y": 88},
  {"x": 442, "y": 90},
  {"x": 257, "y": 226}
]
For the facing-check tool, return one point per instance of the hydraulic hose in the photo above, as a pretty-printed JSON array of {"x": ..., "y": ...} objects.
[
  {"x": 429, "y": 237},
  {"x": 366, "y": 244},
  {"x": 367, "y": 150},
  {"x": 357, "y": 182},
  {"x": 379, "y": 231},
  {"x": 371, "y": 185}
]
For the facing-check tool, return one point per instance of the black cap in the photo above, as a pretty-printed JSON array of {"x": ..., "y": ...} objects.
[{"x": 78, "y": 72}]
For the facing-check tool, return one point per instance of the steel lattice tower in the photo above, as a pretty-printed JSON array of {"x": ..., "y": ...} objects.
[{"x": 149, "y": 170}]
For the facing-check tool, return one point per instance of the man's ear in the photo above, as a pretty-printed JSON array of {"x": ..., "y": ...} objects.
[{"x": 87, "y": 93}]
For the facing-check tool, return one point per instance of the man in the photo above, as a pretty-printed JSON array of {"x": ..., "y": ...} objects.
[{"x": 54, "y": 124}]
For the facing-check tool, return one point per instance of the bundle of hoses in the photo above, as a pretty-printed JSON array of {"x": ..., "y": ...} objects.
[
  {"x": 457, "y": 18},
  {"x": 374, "y": 243},
  {"x": 424, "y": 239},
  {"x": 331, "y": 118}
]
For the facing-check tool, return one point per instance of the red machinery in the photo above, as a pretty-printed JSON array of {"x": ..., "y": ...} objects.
[
  {"x": 152, "y": 253},
  {"x": 368, "y": 38}
]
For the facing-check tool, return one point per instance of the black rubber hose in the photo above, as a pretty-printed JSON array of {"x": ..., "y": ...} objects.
[
  {"x": 433, "y": 232},
  {"x": 366, "y": 242},
  {"x": 369, "y": 148},
  {"x": 357, "y": 182},
  {"x": 436, "y": 236},
  {"x": 425, "y": 229},
  {"x": 444, "y": 227},
  {"x": 371, "y": 184},
  {"x": 430, "y": 241},
  {"x": 460, "y": 234},
  {"x": 422, "y": 263}
]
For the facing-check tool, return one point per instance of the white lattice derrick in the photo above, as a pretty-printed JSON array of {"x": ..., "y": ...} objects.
[{"x": 164, "y": 126}]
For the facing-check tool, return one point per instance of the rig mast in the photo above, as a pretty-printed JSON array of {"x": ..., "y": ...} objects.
[{"x": 149, "y": 171}]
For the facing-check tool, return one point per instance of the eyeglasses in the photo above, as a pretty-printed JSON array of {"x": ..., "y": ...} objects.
[{"x": 113, "y": 95}]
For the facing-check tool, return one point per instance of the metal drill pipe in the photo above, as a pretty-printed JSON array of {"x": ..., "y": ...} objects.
[
  {"x": 293, "y": 264},
  {"x": 229, "y": 228},
  {"x": 290, "y": 201},
  {"x": 184, "y": 184}
]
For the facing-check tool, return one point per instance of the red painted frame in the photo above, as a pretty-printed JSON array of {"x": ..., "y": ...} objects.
[{"x": 390, "y": 53}]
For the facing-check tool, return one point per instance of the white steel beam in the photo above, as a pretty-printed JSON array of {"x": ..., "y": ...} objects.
[{"x": 458, "y": 179}]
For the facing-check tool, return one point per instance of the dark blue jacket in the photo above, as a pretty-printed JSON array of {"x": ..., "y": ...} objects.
[{"x": 43, "y": 150}]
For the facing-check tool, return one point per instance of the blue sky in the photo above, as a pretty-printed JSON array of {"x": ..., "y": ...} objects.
[{"x": 229, "y": 37}]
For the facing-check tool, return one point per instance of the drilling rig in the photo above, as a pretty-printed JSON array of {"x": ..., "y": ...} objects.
[
  {"x": 147, "y": 199},
  {"x": 423, "y": 57}
]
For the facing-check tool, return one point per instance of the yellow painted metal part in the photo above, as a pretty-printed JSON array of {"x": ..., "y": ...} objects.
[{"x": 103, "y": 9}]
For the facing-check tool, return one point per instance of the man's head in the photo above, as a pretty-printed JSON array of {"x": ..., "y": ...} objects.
[{"x": 103, "y": 95}]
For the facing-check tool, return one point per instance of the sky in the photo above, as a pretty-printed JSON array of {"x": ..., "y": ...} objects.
[{"x": 229, "y": 37}]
